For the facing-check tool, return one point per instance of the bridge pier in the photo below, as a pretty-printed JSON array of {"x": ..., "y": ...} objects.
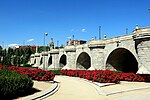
[
  {"x": 53, "y": 56},
  {"x": 36, "y": 60},
  {"x": 98, "y": 59}
]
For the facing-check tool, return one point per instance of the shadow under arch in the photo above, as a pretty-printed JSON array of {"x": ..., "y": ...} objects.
[
  {"x": 50, "y": 61},
  {"x": 123, "y": 60},
  {"x": 83, "y": 61},
  {"x": 34, "y": 61},
  {"x": 63, "y": 61},
  {"x": 41, "y": 61}
]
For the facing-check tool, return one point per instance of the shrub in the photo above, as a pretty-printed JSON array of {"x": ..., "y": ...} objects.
[{"x": 12, "y": 83}]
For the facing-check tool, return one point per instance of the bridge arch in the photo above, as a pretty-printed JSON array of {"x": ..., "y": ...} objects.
[
  {"x": 123, "y": 60},
  {"x": 50, "y": 61},
  {"x": 41, "y": 60},
  {"x": 63, "y": 61},
  {"x": 83, "y": 61},
  {"x": 34, "y": 61}
]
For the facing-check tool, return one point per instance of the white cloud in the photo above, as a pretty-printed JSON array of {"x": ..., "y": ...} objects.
[
  {"x": 83, "y": 30},
  {"x": 30, "y": 40},
  {"x": 13, "y": 45}
]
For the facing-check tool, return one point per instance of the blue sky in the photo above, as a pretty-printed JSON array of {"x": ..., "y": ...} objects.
[{"x": 26, "y": 21}]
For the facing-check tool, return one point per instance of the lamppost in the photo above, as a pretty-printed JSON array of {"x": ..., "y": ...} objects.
[
  {"x": 99, "y": 32},
  {"x": 44, "y": 67}
]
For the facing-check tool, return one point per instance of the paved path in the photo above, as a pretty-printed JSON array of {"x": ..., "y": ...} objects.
[
  {"x": 78, "y": 89},
  {"x": 73, "y": 89}
]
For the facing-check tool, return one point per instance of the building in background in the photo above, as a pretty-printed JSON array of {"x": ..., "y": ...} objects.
[{"x": 76, "y": 42}]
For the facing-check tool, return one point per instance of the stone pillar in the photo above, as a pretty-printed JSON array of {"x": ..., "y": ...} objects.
[
  {"x": 55, "y": 57},
  {"x": 97, "y": 57},
  {"x": 143, "y": 50},
  {"x": 71, "y": 56},
  {"x": 37, "y": 64},
  {"x": 32, "y": 61}
]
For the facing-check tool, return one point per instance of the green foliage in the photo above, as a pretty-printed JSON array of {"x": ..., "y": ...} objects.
[
  {"x": 62, "y": 46},
  {"x": 56, "y": 72},
  {"x": 56, "y": 47},
  {"x": 43, "y": 48},
  {"x": 13, "y": 83},
  {"x": 17, "y": 56}
]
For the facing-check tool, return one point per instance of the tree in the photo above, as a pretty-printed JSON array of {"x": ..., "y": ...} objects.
[
  {"x": 62, "y": 46},
  {"x": 16, "y": 56},
  {"x": 43, "y": 48},
  {"x": 1, "y": 50}
]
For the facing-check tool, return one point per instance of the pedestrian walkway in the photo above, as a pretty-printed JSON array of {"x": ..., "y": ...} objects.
[{"x": 73, "y": 88}]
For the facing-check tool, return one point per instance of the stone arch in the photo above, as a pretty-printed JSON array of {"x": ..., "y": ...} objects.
[
  {"x": 123, "y": 60},
  {"x": 83, "y": 61},
  {"x": 34, "y": 61},
  {"x": 50, "y": 61},
  {"x": 63, "y": 60},
  {"x": 41, "y": 61}
]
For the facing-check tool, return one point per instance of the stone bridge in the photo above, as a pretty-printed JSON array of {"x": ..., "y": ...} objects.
[{"x": 128, "y": 53}]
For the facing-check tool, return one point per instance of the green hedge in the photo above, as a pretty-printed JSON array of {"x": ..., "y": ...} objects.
[
  {"x": 13, "y": 83},
  {"x": 56, "y": 72}
]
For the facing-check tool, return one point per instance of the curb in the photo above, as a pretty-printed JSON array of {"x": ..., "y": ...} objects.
[
  {"x": 127, "y": 90},
  {"x": 101, "y": 91},
  {"x": 54, "y": 88}
]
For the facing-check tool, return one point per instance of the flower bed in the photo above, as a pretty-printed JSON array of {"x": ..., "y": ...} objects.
[
  {"x": 34, "y": 73},
  {"x": 103, "y": 76},
  {"x": 146, "y": 77}
]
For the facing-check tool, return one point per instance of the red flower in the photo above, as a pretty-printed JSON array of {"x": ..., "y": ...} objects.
[
  {"x": 104, "y": 76},
  {"x": 35, "y": 74}
]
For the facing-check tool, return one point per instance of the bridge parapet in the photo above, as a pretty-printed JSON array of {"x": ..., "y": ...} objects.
[
  {"x": 62, "y": 50},
  {"x": 32, "y": 56},
  {"x": 70, "y": 48},
  {"x": 141, "y": 30},
  {"x": 37, "y": 54},
  {"x": 54, "y": 51},
  {"x": 141, "y": 33},
  {"x": 96, "y": 44},
  {"x": 119, "y": 39},
  {"x": 82, "y": 46},
  {"x": 45, "y": 53}
]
